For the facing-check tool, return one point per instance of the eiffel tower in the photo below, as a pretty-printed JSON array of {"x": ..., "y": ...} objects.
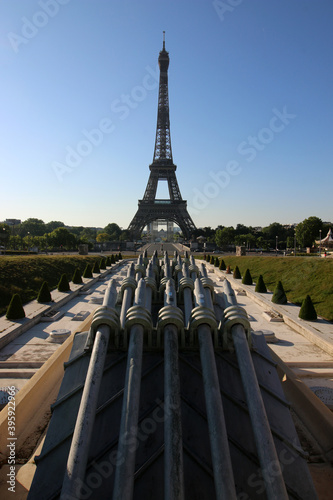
[{"x": 173, "y": 209}]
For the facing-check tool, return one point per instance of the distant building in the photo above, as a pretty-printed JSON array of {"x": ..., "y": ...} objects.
[{"x": 13, "y": 222}]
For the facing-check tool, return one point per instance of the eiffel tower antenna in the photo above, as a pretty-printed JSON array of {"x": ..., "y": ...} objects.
[{"x": 173, "y": 209}]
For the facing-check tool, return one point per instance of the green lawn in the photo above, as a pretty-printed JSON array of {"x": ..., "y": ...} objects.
[
  {"x": 299, "y": 275},
  {"x": 25, "y": 274}
]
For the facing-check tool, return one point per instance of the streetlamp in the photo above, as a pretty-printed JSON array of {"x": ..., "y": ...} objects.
[
  {"x": 295, "y": 244},
  {"x": 319, "y": 242},
  {"x": 276, "y": 245},
  {"x": 4, "y": 239}
]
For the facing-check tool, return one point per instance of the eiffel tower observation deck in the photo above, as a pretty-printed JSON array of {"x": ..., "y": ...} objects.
[{"x": 173, "y": 209}]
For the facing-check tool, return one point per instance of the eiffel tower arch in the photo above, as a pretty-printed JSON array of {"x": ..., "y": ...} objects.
[{"x": 150, "y": 208}]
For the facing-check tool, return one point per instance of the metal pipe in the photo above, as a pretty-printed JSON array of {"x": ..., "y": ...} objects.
[
  {"x": 139, "y": 273},
  {"x": 222, "y": 467},
  {"x": 173, "y": 454},
  {"x": 145, "y": 257},
  {"x": 78, "y": 454},
  {"x": 186, "y": 272},
  {"x": 203, "y": 270},
  {"x": 179, "y": 273},
  {"x": 124, "y": 476},
  {"x": 166, "y": 258},
  {"x": 187, "y": 292},
  {"x": 229, "y": 294},
  {"x": 167, "y": 270},
  {"x": 149, "y": 291},
  {"x": 208, "y": 294},
  {"x": 154, "y": 262},
  {"x": 270, "y": 465},
  {"x": 263, "y": 437},
  {"x": 127, "y": 297}
]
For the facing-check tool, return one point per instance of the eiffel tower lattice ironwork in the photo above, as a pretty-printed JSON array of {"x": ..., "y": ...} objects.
[{"x": 162, "y": 169}]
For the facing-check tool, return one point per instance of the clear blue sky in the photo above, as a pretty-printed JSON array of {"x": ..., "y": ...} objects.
[{"x": 250, "y": 89}]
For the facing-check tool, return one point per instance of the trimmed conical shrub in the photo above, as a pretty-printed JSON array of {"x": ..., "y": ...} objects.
[
  {"x": 237, "y": 274},
  {"x": 247, "y": 278},
  {"x": 307, "y": 311},
  {"x": 279, "y": 296},
  {"x": 87, "y": 273},
  {"x": 260, "y": 285},
  {"x": 108, "y": 261},
  {"x": 44, "y": 293},
  {"x": 212, "y": 259},
  {"x": 207, "y": 258},
  {"x": 120, "y": 256},
  {"x": 112, "y": 259},
  {"x": 63, "y": 285},
  {"x": 77, "y": 277},
  {"x": 228, "y": 270},
  {"x": 216, "y": 262},
  {"x": 96, "y": 268},
  {"x": 15, "y": 309},
  {"x": 222, "y": 266},
  {"x": 102, "y": 264}
]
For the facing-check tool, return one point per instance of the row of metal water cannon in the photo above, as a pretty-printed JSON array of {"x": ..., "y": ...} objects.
[
  {"x": 136, "y": 320},
  {"x": 173, "y": 282}
]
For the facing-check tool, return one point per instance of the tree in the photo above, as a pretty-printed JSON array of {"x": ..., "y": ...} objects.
[
  {"x": 290, "y": 242},
  {"x": 4, "y": 234},
  {"x": 96, "y": 268},
  {"x": 77, "y": 280},
  {"x": 63, "y": 285},
  {"x": 88, "y": 234},
  {"x": 77, "y": 230},
  {"x": 36, "y": 227},
  {"x": 41, "y": 242},
  {"x": 247, "y": 278},
  {"x": 225, "y": 236},
  {"x": 54, "y": 224},
  {"x": 61, "y": 237},
  {"x": 307, "y": 311},
  {"x": 102, "y": 237},
  {"x": 279, "y": 296},
  {"x": 15, "y": 309},
  {"x": 222, "y": 265},
  {"x": 240, "y": 239},
  {"x": 87, "y": 273},
  {"x": 28, "y": 241},
  {"x": 260, "y": 285},
  {"x": 15, "y": 242},
  {"x": 241, "y": 229},
  {"x": 262, "y": 243},
  {"x": 44, "y": 293},
  {"x": 275, "y": 230},
  {"x": 125, "y": 235},
  {"x": 308, "y": 231},
  {"x": 113, "y": 230},
  {"x": 237, "y": 274}
]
